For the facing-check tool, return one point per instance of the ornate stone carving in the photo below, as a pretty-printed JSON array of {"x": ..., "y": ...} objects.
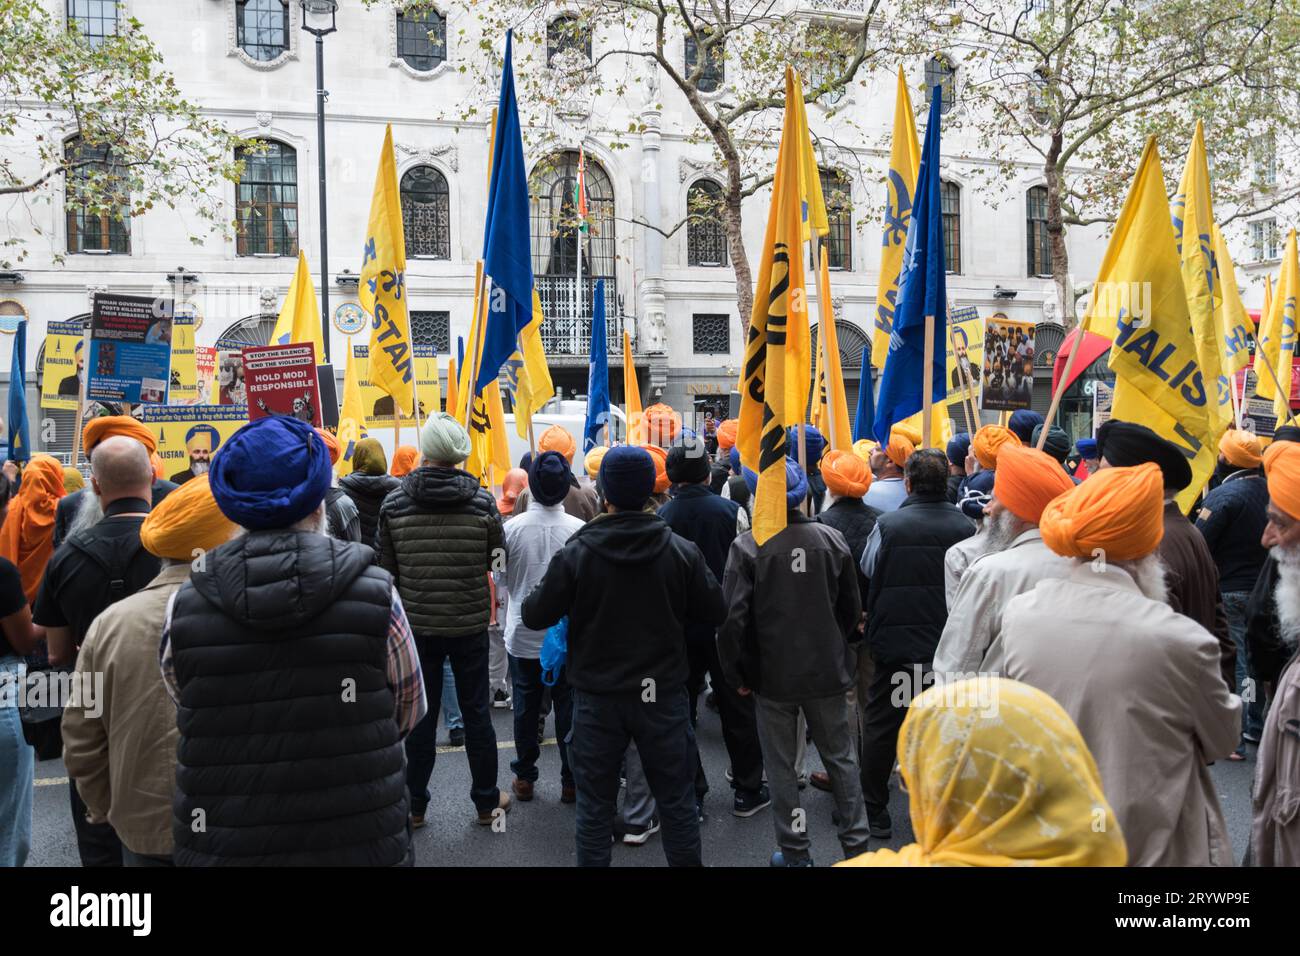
[
  {"x": 837, "y": 307},
  {"x": 268, "y": 298},
  {"x": 686, "y": 168},
  {"x": 263, "y": 120},
  {"x": 446, "y": 152},
  {"x": 94, "y": 290}
]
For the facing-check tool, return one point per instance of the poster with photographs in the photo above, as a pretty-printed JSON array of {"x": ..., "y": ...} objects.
[
  {"x": 230, "y": 378},
  {"x": 965, "y": 351},
  {"x": 65, "y": 365},
  {"x": 281, "y": 380},
  {"x": 130, "y": 349},
  {"x": 189, "y": 435},
  {"x": 1008, "y": 375},
  {"x": 205, "y": 368}
]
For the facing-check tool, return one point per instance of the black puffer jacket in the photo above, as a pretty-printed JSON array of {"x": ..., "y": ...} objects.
[
  {"x": 368, "y": 493},
  {"x": 439, "y": 533}
]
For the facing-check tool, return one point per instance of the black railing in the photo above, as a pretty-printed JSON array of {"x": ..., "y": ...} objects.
[{"x": 567, "y": 331}]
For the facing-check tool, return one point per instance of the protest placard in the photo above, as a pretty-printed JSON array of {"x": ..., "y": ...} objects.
[
  {"x": 230, "y": 378},
  {"x": 130, "y": 349},
  {"x": 281, "y": 380},
  {"x": 189, "y": 435},
  {"x": 205, "y": 369},
  {"x": 966, "y": 349},
  {"x": 1008, "y": 375},
  {"x": 184, "y": 372},
  {"x": 378, "y": 405},
  {"x": 65, "y": 362}
]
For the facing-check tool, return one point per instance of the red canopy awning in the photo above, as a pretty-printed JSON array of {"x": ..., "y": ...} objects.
[{"x": 1094, "y": 347}]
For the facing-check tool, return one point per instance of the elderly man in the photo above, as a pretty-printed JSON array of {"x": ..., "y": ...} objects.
[
  {"x": 440, "y": 537},
  {"x": 292, "y": 696},
  {"x": 1275, "y": 831},
  {"x": 1191, "y": 577},
  {"x": 887, "y": 491},
  {"x": 1141, "y": 681},
  {"x": 974, "y": 495},
  {"x": 580, "y": 501},
  {"x": 1089, "y": 458},
  {"x": 1016, "y": 558},
  {"x": 120, "y": 748},
  {"x": 81, "y": 509}
]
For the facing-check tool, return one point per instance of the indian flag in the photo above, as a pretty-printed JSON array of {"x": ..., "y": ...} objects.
[{"x": 580, "y": 191}]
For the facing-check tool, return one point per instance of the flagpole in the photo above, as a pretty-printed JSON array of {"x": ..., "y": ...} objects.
[
  {"x": 827, "y": 328},
  {"x": 480, "y": 303},
  {"x": 927, "y": 383},
  {"x": 1062, "y": 385},
  {"x": 81, "y": 407}
]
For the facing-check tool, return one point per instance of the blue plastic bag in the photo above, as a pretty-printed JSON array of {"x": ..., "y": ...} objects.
[{"x": 555, "y": 652}]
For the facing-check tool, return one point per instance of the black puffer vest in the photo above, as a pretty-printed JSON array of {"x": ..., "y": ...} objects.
[
  {"x": 289, "y": 753},
  {"x": 368, "y": 493}
]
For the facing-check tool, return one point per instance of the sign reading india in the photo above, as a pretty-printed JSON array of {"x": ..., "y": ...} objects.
[{"x": 189, "y": 435}]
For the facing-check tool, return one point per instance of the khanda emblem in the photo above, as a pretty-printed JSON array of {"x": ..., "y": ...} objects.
[
  {"x": 478, "y": 419},
  {"x": 898, "y": 210},
  {"x": 511, "y": 368},
  {"x": 1177, "y": 214}
]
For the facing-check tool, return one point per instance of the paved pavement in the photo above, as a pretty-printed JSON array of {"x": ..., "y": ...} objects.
[{"x": 540, "y": 833}]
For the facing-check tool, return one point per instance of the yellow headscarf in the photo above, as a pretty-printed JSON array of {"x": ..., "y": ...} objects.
[
  {"x": 997, "y": 774},
  {"x": 72, "y": 480},
  {"x": 187, "y": 520}
]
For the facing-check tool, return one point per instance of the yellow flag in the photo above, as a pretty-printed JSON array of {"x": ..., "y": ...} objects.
[
  {"x": 780, "y": 305},
  {"x": 533, "y": 386},
  {"x": 632, "y": 395},
  {"x": 489, "y": 447},
  {"x": 810, "y": 179},
  {"x": 299, "y": 320},
  {"x": 1278, "y": 333},
  {"x": 1139, "y": 303},
  {"x": 352, "y": 416},
  {"x": 452, "y": 391},
  {"x": 1233, "y": 321},
  {"x": 383, "y": 287},
  {"x": 832, "y": 404},
  {"x": 904, "y": 166},
  {"x": 812, "y": 213},
  {"x": 1193, "y": 219}
]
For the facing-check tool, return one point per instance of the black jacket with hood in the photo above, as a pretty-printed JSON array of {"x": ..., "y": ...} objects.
[
  {"x": 439, "y": 534},
  {"x": 368, "y": 493},
  {"x": 630, "y": 587}
]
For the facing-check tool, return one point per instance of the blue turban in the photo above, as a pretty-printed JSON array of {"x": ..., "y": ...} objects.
[
  {"x": 733, "y": 459},
  {"x": 976, "y": 492},
  {"x": 796, "y": 483},
  {"x": 959, "y": 448},
  {"x": 814, "y": 443},
  {"x": 271, "y": 473},
  {"x": 1022, "y": 423},
  {"x": 1087, "y": 447}
]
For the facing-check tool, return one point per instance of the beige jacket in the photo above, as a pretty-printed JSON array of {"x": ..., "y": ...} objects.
[
  {"x": 1275, "y": 831},
  {"x": 1143, "y": 684},
  {"x": 957, "y": 559},
  {"x": 124, "y": 760}
]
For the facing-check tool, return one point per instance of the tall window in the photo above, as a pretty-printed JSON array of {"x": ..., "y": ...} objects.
[
  {"x": 1264, "y": 240},
  {"x": 950, "y": 205},
  {"x": 422, "y": 39},
  {"x": 95, "y": 20},
  {"x": 1040, "y": 246},
  {"x": 940, "y": 72},
  {"x": 267, "y": 202},
  {"x": 837, "y": 245},
  {"x": 426, "y": 216},
  {"x": 714, "y": 72},
  {"x": 263, "y": 28},
  {"x": 1264, "y": 149},
  {"x": 567, "y": 35},
  {"x": 97, "y": 200},
  {"x": 706, "y": 238}
]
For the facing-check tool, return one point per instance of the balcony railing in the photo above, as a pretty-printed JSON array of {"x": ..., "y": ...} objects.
[{"x": 565, "y": 334}]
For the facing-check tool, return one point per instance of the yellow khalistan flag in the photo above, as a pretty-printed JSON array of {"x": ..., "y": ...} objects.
[
  {"x": 382, "y": 287},
  {"x": 352, "y": 416},
  {"x": 299, "y": 320},
  {"x": 1277, "y": 333},
  {"x": 632, "y": 396},
  {"x": 1139, "y": 303},
  {"x": 485, "y": 419},
  {"x": 813, "y": 202},
  {"x": 1193, "y": 219},
  {"x": 769, "y": 401},
  {"x": 1233, "y": 321},
  {"x": 830, "y": 407},
  {"x": 904, "y": 166},
  {"x": 533, "y": 385}
]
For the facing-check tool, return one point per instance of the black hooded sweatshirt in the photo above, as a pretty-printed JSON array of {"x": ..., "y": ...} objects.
[{"x": 629, "y": 586}]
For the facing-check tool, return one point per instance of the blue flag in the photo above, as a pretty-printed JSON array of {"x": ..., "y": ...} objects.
[
  {"x": 460, "y": 352},
  {"x": 507, "y": 253},
  {"x": 865, "y": 416},
  {"x": 20, "y": 448},
  {"x": 598, "y": 378},
  {"x": 922, "y": 291}
]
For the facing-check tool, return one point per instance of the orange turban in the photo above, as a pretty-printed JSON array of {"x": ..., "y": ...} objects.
[
  {"x": 558, "y": 439},
  {"x": 27, "y": 538},
  {"x": 515, "y": 481},
  {"x": 988, "y": 441},
  {"x": 1026, "y": 480},
  {"x": 863, "y": 448},
  {"x": 727, "y": 433},
  {"x": 845, "y": 473},
  {"x": 661, "y": 468},
  {"x": 404, "y": 460},
  {"x": 593, "y": 460},
  {"x": 910, "y": 432},
  {"x": 159, "y": 466},
  {"x": 900, "y": 447},
  {"x": 97, "y": 429},
  {"x": 331, "y": 443},
  {"x": 1118, "y": 514},
  {"x": 1281, "y": 465},
  {"x": 187, "y": 520},
  {"x": 1241, "y": 448},
  {"x": 662, "y": 423}
]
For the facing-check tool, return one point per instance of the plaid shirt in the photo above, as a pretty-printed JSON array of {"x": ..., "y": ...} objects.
[{"x": 404, "y": 676}]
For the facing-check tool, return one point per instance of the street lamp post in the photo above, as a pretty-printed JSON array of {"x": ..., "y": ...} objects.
[{"x": 318, "y": 19}]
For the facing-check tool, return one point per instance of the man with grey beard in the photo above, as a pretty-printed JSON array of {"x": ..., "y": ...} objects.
[
  {"x": 1014, "y": 561},
  {"x": 1275, "y": 831}
]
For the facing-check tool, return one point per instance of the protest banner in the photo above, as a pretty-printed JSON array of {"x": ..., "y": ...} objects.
[
  {"x": 281, "y": 380},
  {"x": 130, "y": 350},
  {"x": 1257, "y": 414},
  {"x": 378, "y": 405},
  {"x": 1008, "y": 365},
  {"x": 1103, "y": 397},
  {"x": 965, "y": 349},
  {"x": 230, "y": 378},
  {"x": 64, "y": 365},
  {"x": 184, "y": 372},
  {"x": 189, "y": 435},
  {"x": 205, "y": 370}
]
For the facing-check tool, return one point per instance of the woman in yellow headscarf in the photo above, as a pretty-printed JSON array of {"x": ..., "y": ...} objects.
[
  {"x": 997, "y": 774},
  {"x": 27, "y": 538}
]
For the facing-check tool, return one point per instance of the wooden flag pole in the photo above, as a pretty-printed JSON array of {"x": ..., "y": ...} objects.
[
  {"x": 480, "y": 308},
  {"x": 1236, "y": 405},
  {"x": 927, "y": 383},
  {"x": 1061, "y": 385},
  {"x": 965, "y": 389},
  {"x": 532, "y": 442}
]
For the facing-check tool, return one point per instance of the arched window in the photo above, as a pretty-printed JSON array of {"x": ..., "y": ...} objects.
[
  {"x": 715, "y": 70},
  {"x": 950, "y": 206},
  {"x": 263, "y": 28},
  {"x": 940, "y": 72},
  {"x": 267, "y": 201},
  {"x": 1040, "y": 247},
  {"x": 837, "y": 245},
  {"x": 426, "y": 216},
  {"x": 567, "y": 34},
  {"x": 706, "y": 237},
  {"x": 95, "y": 20},
  {"x": 422, "y": 39},
  {"x": 97, "y": 200}
]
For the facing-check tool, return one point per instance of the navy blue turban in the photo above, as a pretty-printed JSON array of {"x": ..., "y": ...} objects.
[{"x": 272, "y": 473}]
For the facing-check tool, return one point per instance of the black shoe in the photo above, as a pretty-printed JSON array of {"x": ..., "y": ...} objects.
[
  {"x": 635, "y": 835},
  {"x": 457, "y": 736},
  {"x": 880, "y": 825},
  {"x": 749, "y": 802},
  {"x": 778, "y": 859}
]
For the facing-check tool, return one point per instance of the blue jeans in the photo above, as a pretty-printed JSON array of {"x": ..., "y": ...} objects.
[
  {"x": 526, "y": 676},
  {"x": 603, "y": 725},
  {"x": 17, "y": 769},
  {"x": 1234, "y": 609},
  {"x": 468, "y": 657},
  {"x": 450, "y": 707}
]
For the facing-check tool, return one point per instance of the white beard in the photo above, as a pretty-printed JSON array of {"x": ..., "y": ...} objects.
[
  {"x": 199, "y": 468},
  {"x": 1287, "y": 594},
  {"x": 1000, "y": 530},
  {"x": 89, "y": 512},
  {"x": 1149, "y": 575}
]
